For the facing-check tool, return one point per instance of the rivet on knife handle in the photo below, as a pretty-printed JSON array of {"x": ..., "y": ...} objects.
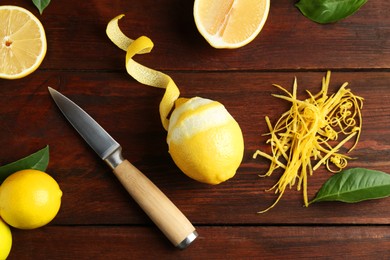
[{"x": 157, "y": 206}]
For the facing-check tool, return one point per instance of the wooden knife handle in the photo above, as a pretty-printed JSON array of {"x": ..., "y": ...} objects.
[{"x": 171, "y": 221}]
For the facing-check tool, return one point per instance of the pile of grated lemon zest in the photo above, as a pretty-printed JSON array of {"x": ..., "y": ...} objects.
[
  {"x": 142, "y": 73},
  {"x": 308, "y": 132}
]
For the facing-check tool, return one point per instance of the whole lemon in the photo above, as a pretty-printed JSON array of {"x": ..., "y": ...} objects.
[
  {"x": 204, "y": 140},
  {"x": 5, "y": 240},
  {"x": 29, "y": 199}
]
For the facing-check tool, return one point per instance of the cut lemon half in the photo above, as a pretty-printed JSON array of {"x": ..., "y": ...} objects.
[
  {"x": 22, "y": 42},
  {"x": 230, "y": 23}
]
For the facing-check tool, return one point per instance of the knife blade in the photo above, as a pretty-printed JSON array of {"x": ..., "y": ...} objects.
[{"x": 170, "y": 220}]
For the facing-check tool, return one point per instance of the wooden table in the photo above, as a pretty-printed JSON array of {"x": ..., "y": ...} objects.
[{"x": 99, "y": 220}]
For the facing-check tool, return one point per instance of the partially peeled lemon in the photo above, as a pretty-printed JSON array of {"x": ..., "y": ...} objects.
[{"x": 204, "y": 140}]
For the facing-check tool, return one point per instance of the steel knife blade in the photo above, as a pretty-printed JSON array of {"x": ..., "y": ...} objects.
[{"x": 171, "y": 221}]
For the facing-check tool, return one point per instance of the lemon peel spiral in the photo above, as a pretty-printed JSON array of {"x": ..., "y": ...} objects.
[
  {"x": 204, "y": 140},
  {"x": 141, "y": 73}
]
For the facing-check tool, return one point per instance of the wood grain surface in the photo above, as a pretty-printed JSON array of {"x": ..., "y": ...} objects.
[{"x": 99, "y": 220}]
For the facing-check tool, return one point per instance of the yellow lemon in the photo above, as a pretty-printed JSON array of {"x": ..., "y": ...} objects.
[
  {"x": 22, "y": 42},
  {"x": 230, "y": 23},
  {"x": 5, "y": 240},
  {"x": 29, "y": 199},
  {"x": 204, "y": 140}
]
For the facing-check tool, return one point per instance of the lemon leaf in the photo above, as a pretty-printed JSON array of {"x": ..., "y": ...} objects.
[
  {"x": 38, "y": 161},
  {"x": 41, "y": 4},
  {"x": 355, "y": 185},
  {"x": 329, "y": 11}
]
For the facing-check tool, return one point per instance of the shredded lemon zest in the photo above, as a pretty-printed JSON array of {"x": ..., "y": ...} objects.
[
  {"x": 310, "y": 131},
  {"x": 142, "y": 73}
]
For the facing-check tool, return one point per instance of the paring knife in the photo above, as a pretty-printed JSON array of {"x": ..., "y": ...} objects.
[{"x": 171, "y": 221}]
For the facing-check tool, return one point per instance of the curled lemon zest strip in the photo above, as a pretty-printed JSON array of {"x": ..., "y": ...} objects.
[
  {"x": 310, "y": 131},
  {"x": 141, "y": 73}
]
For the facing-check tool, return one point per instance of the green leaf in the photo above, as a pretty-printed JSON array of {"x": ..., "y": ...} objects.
[
  {"x": 41, "y": 4},
  {"x": 355, "y": 185},
  {"x": 328, "y": 11},
  {"x": 38, "y": 161}
]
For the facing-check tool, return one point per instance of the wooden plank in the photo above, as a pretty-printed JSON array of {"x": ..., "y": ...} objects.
[
  {"x": 76, "y": 38},
  {"x": 98, "y": 219},
  {"x": 124, "y": 242},
  {"x": 129, "y": 111}
]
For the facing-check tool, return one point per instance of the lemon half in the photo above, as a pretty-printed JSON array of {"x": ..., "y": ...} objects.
[
  {"x": 230, "y": 23},
  {"x": 22, "y": 42}
]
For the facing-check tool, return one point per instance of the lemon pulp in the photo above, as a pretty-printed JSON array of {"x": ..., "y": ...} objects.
[
  {"x": 230, "y": 23},
  {"x": 22, "y": 42}
]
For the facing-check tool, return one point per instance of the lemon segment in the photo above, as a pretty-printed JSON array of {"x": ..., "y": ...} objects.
[
  {"x": 29, "y": 199},
  {"x": 230, "y": 23},
  {"x": 22, "y": 42},
  {"x": 5, "y": 240}
]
